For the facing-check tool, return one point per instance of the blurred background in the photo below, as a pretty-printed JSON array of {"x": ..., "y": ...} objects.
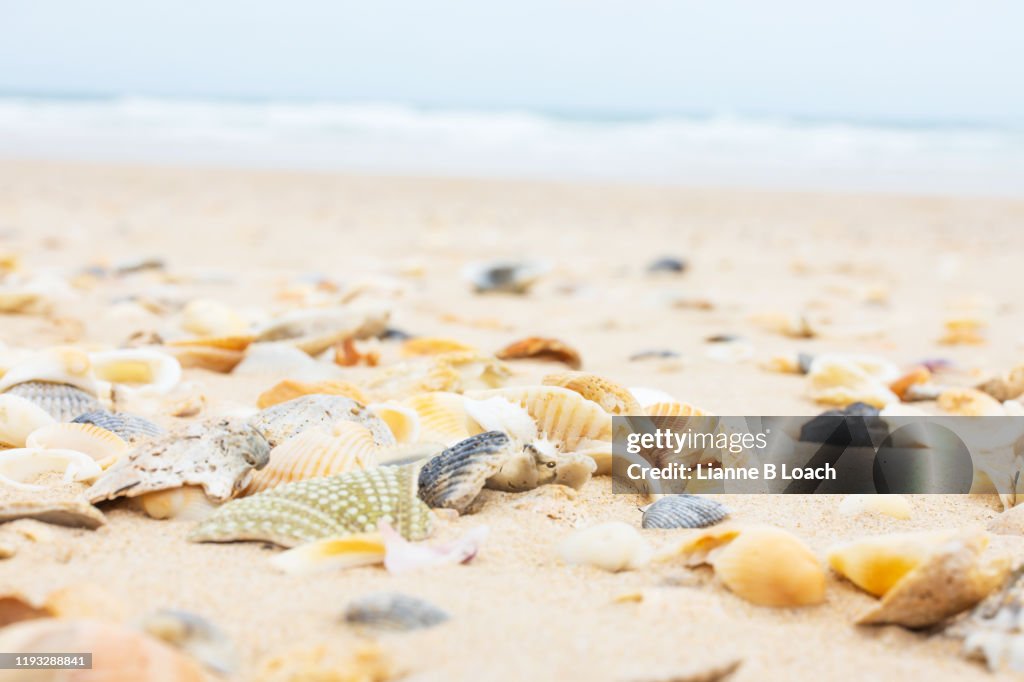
[{"x": 918, "y": 95}]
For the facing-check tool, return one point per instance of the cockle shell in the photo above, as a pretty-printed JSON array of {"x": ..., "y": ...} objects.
[
  {"x": 443, "y": 417},
  {"x": 404, "y": 422},
  {"x": 315, "y": 330},
  {"x": 217, "y": 455},
  {"x": 140, "y": 369},
  {"x": 287, "y": 419},
  {"x": 674, "y": 409},
  {"x": 128, "y": 427},
  {"x": 63, "y": 402},
  {"x": 19, "y": 417},
  {"x": 193, "y": 635},
  {"x": 315, "y": 452},
  {"x": 838, "y": 379},
  {"x": 896, "y": 506},
  {"x": 290, "y": 389},
  {"x": 613, "y": 547},
  {"x": 393, "y": 611},
  {"x": 539, "y": 348},
  {"x": 20, "y": 467},
  {"x": 334, "y": 506},
  {"x": 612, "y": 397},
  {"x": 454, "y": 478},
  {"x": 119, "y": 653},
  {"x": 61, "y": 365},
  {"x": 187, "y": 503},
  {"x": 683, "y": 511},
  {"x": 105, "y": 447},
  {"x": 205, "y": 317}
]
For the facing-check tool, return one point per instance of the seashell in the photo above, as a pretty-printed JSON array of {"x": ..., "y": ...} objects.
[
  {"x": 403, "y": 422},
  {"x": 525, "y": 470},
  {"x": 86, "y": 600},
  {"x": 213, "y": 359},
  {"x": 683, "y": 511},
  {"x": 650, "y": 396},
  {"x": 315, "y": 452},
  {"x": 406, "y": 453},
  {"x": 992, "y": 631},
  {"x": 402, "y": 556},
  {"x": 969, "y": 402},
  {"x": 315, "y": 330},
  {"x": 910, "y": 382},
  {"x": 15, "y": 608},
  {"x": 119, "y": 653},
  {"x": 63, "y": 402},
  {"x": 501, "y": 414},
  {"x": 103, "y": 446},
  {"x": 876, "y": 564},
  {"x": 346, "y": 354},
  {"x": 128, "y": 427},
  {"x": 453, "y": 479},
  {"x": 335, "y": 506},
  {"x": 141, "y": 369},
  {"x": 61, "y": 365},
  {"x": 57, "y": 506},
  {"x": 963, "y": 331},
  {"x": 237, "y": 342},
  {"x": 280, "y": 360},
  {"x": 366, "y": 662},
  {"x": 285, "y": 420},
  {"x": 290, "y": 389},
  {"x": 443, "y": 417},
  {"x": 393, "y": 611},
  {"x": 407, "y": 379},
  {"x": 21, "y": 467},
  {"x": 837, "y": 379},
  {"x": 612, "y": 547},
  {"x": 504, "y": 276},
  {"x": 896, "y": 506},
  {"x": 674, "y": 409},
  {"x": 1006, "y": 387},
  {"x": 474, "y": 370},
  {"x": 670, "y": 264},
  {"x": 574, "y": 469},
  {"x": 360, "y": 549},
  {"x": 205, "y": 317},
  {"x": 433, "y": 345},
  {"x": 612, "y": 397},
  {"x": 19, "y": 417},
  {"x": 540, "y": 348},
  {"x": 193, "y": 635},
  {"x": 187, "y": 503},
  {"x": 1009, "y": 522},
  {"x": 217, "y": 455}
]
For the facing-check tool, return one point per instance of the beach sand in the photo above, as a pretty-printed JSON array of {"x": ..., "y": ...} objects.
[{"x": 875, "y": 274}]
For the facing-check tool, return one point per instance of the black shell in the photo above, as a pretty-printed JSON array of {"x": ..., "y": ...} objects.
[
  {"x": 128, "y": 427},
  {"x": 63, "y": 401},
  {"x": 393, "y": 611},
  {"x": 454, "y": 478},
  {"x": 684, "y": 511}
]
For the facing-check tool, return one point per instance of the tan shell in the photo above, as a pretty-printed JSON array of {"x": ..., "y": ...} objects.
[
  {"x": 316, "y": 452},
  {"x": 102, "y": 445},
  {"x": 674, "y": 409},
  {"x": 840, "y": 379},
  {"x": 187, "y": 503},
  {"x": 63, "y": 506},
  {"x": 238, "y": 342},
  {"x": 19, "y": 417},
  {"x": 540, "y": 348},
  {"x": 433, "y": 345},
  {"x": 1006, "y": 387},
  {"x": 963, "y": 331},
  {"x": 290, "y": 389},
  {"x": 205, "y": 317},
  {"x": 443, "y": 417},
  {"x": 280, "y": 422},
  {"x": 875, "y": 564},
  {"x": 970, "y": 402},
  {"x": 222, "y": 360},
  {"x": 612, "y": 397}
]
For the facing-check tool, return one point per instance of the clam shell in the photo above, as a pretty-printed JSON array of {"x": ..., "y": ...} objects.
[
  {"x": 128, "y": 427},
  {"x": 314, "y": 331},
  {"x": 282, "y": 421},
  {"x": 143, "y": 369},
  {"x": 540, "y": 348},
  {"x": 103, "y": 446},
  {"x": 454, "y": 478},
  {"x": 404, "y": 422},
  {"x": 21, "y": 466},
  {"x": 217, "y": 455},
  {"x": 63, "y": 402},
  {"x": 187, "y": 503},
  {"x": 317, "y": 508},
  {"x": 613, "y": 547},
  {"x": 393, "y": 611},
  {"x": 318, "y": 451},
  {"x": 19, "y": 417},
  {"x": 62, "y": 365},
  {"x": 193, "y": 635},
  {"x": 612, "y": 397},
  {"x": 290, "y": 389},
  {"x": 683, "y": 511},
  {"x": 119, "y": 653},
  {"x": 443, "y": 417}
]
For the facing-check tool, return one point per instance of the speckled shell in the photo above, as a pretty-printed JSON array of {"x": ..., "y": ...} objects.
[
  {"x": 393, "y": 611},
  {"x": 62, "y": 401},
  {"x": 287, "y": 419},
  {"x": 454, "y": 478},
  {"x": 103, "y": 446},
  {"x": 128, "y": 427},
  {"x": 19, "y": 417},
  {"x": 683, "y": 511},
  {"x": 612, "y": 397},
  {"x": 353, "y": 502}
]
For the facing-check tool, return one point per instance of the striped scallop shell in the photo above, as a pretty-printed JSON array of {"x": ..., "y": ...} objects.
[
  {"x": 333, "y": 506},
  {"x": 105, "y": 447},
  {"x": 454, "y": 478},
  {"x": 612, "y": 397},
  {"x": 282, "y": 421},
  {"x": 63, "y": 402},
  {"x": 319, "y": 451},
  {"x": 393, "y": 611},
  {"x": 442, "y": 417},
  {"x": 19, "y": 417},
  {"x": 674, "y": 409},
  {"x": 683, "y": 511},
  {"x": 128, "y": 427}
]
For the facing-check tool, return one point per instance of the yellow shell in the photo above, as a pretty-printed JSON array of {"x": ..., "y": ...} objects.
[
  {"x": 187, "y": 503},
  {"x": 612, "y": 397},
  {"x": 289, "y": 389},
  {"x": 896, "y": 506},
  {"x": 443, "y": 417},
  {"x": 674, "y": 409},
  {"x": 360, "y": 549},
  {"x": 138, "y": 368},
  {"x": 204, "y": 317},
  {"x": 433, "y": 345},
  {"x": 875, "y": 564},
  {"x": 20, "y": 417},
  {"x": 316, "y": 452},
  {"x": 210, "y": 358},
  {"x": 103, "y": 446},
  {"x": 403, "y": 421}
]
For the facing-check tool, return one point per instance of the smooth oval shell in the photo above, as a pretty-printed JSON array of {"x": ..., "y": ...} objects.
[
  {"x": 19, "y": 417},
  {"x": 454, "y": 478},
  {"x": 143, "y": 369},
  {"x": 770, "y": 567},
  {"x": 21, "y": 466},
  {"x": 683, "y": 511},
  {"x": 63, "y": 402},
  {"x": 102, "y": 445},
  {"x": 613, "y": 547},
  {"x": 282, "y": 421},
  {"x": 62, "y": 365},
  {"x": 612, "y": 397},
  {"x": 129, "y": 427},
  {"x": 393, "y": 611},
  {"x": 187, "y": 503}
]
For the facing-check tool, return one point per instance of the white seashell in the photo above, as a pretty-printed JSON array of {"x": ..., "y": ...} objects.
[
  {"x": 841, "y": 379},
  {"x": 204, "y": 317},
  {"x": 19, "y": 418},
  {"x": 315, "y": 330},
  {"x": 187, "y": 503},
  {"x": 62, "y": 365},
  {"x": 284, "y": 361},
  {"x": 613, "y": 546},
  {"x": 143, "y": 369},
  {"x": 105, "y": 447},
  {"x": 500, "y": 414},
  {"x": 403, "y": 421},
  {"x": 895, "y": 506},
  {"x": 650, "y": 396},
  {"x": 20, "y": 466}
]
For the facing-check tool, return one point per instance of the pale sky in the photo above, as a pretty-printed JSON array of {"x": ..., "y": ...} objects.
[{"x": 938, "y": 60}]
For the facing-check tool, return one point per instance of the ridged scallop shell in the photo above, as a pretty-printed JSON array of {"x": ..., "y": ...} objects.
[
  {"x": 20, "y": 467},
  {"x": 613, "y": 547},
  {"x": 403, "y": 421},
  {"x": 875, "y": 564},
  {"x": 290, "y": 389},
  {"x": 683, "y": 511},
  {"x": 454, "y": 478},
  {"x": 285, "y": 420},
  {"x": 840, "y": 380},
  {"x": 539, "y": 348},
  {"x": 18, "y": 418},
  {"x": 105, "y": 447},
  {"x": 315, "y": 330},
  {"x": 62, "y": 365},
  {"x": 334, "y": 506},
  {"x": 205, "y": 317},
  {"x": 674, "y": 409},
  {"x": 612, "y": 397},
  {"x": 119, "y": 653},
  {"x": 187, "y": 503},
  {"x": 433, "y": 345},
  {"x": 63, "y": 402},
  {"x": 318, "y": 451},
  {"x": 393, "y": 611},
  {"x": 128, "y": 427},
  {"x": 443, "y": 417},
  {"x": 141, "y": 369},
  {"x": 194, "y": 635},
  {"x": 217, "y": 455}
]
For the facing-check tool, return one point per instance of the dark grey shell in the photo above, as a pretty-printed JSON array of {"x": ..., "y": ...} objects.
[
  {"x": 684, "y": 511},
  {"x": 128, "y": 427},
  {"x": 393, "y": 611},
  {"x": 194, "y": 635},
  {"x": 280, "y": 422},
  {"x": 63, "y": 401},
  {"x": 454, "y": 478}
]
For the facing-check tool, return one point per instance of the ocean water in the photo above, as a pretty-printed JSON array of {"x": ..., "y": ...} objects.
[{"x": 706, "y": 151}]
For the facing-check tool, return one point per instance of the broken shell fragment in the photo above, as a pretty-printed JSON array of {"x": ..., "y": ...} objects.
[
  {"x": 288, "y": 419},
  {"x": 612, "y": 547},
  {"x": 393, "y": 611}
]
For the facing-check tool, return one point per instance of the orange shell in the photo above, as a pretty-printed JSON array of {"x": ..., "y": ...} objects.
[
  {"x": 540, "y": 348},
  {"x": 289, "y": 389}
]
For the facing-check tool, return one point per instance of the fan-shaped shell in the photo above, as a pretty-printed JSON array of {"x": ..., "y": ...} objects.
[
  {"x": 443, "y": 417},
  {"x": 612, "y": 397},
  {"x": 20, "y": 467},
  {"x": 129, "y": 427},
  {"x": 289, "y": 389},
  {"x": 62, "y": 401},
  {"x": 143, "y": 369},
  {"x": 103, "y": 446},
  {"x": 62, "y": 365},
  {"x": 683, "y": 511},
  {"x": 674, "y": 409},
  {"x": 19, "y": 417},
  {"x": 284, "y": 420},
  {"x": 403, "y": 421},
  {"x": 454, "y": 478}
]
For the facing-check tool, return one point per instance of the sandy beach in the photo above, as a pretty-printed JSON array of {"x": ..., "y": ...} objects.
[{"x": 874, "y": 274}]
